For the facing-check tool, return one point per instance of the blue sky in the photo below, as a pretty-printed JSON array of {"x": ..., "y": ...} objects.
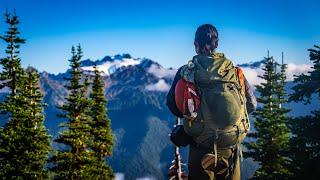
[{"x": 162, "y": 30}]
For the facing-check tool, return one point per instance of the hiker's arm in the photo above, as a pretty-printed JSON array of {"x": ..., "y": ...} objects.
[
  {"x": 171, "y": 103},
  {"x": 251, "y": 99}
]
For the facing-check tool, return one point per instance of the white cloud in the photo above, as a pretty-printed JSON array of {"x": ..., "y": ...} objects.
[
  {"x": 119, "y": 176},
  {"x": 252, "y": 75},
  {"x": 161, "y": 86},
  {"x": 161, "y": 72},
  {"x": 293, "y": 69},
  {"x": 5, "y": 90}
]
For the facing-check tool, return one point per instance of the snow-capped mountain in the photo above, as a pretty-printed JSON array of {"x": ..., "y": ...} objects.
[
  {"x": 109, "y": 65},
  {"x": 89, "y": 62}
]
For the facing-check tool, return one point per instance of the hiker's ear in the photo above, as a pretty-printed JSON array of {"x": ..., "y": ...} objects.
[
  {"x": 216, "y": 43},
  {"x": 196, "y": 47}
]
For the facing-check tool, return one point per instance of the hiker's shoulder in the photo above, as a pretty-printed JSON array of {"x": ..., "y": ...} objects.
[
  {"x": 223, "y": 59},
  {"x": 219, "y": 55},
  {"x": 181, "y": 68}
]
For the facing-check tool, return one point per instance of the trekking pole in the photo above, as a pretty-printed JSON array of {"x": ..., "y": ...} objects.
[
  {"x": 177, "y": 155},
  {"x": 175, "y": 170}
]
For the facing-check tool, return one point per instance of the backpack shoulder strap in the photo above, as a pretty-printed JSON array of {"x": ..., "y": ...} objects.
[{"x": 187, "y": 71}]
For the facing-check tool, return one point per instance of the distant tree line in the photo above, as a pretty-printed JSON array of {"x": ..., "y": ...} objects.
[{"x": 25, "y": 145}]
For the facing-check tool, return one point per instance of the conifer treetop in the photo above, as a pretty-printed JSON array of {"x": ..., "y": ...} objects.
[
  {"x": 308, "y": 84},
  {"x": 11, "y": 64}
]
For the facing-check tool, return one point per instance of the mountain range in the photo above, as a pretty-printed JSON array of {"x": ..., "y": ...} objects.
[{"x": 136, "y": 91}]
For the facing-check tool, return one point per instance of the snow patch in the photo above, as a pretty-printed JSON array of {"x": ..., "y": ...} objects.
[
  {"x": 161, "y": 86},
  {"x": 110, "y": 67},
  {"x": 161, "y": 72}
]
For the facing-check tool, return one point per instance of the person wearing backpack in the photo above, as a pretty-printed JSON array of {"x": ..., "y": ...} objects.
[{"x": 214, "y": 99}]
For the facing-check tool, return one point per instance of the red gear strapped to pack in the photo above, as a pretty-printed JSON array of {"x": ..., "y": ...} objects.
[{"x": 187, "y": 99}]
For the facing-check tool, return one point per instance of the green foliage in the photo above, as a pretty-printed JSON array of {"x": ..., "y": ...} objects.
[
  {"x": 306, "y": 85},
  {"x": 305, "y": 140},
  {"x": 100, "y": 126},
  {"x": 87, "y": 135},
  {"x": 11, "y": 65},
  {"x": 76, "y": 160},
  {"x": 24, "y": 142},
  {"x": 271, "y": 135}
]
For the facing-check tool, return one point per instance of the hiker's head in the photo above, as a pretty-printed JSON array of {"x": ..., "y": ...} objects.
[{"x": 206, "y": 39}]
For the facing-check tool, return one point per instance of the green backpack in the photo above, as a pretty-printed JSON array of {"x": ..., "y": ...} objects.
[{"x": 222, "y": 118}]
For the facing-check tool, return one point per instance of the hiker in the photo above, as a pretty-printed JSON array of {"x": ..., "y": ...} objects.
[{"x": 214, "y": 99}]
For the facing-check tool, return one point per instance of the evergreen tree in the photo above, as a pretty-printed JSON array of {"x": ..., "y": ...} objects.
[
  {"x": 24, "y": 142},
  {"x": 282, "y": 94},
  {"x": 76, "y": 160},
  {"x": 101, "y": 131},
  {"x": 11, "y": 65},
  {"x": 305, "y": 140},
  {"x": 306, "y": 85},
  {"x": 271, "y": 135}
]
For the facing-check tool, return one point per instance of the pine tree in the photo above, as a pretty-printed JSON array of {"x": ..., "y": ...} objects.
[
  {"x": 76, "y": 160},
  {"x": 305, "y": 140},
  {"x": 11, "y": 64},
  {"x": 100, "y": 128},
  {"x": 24, "y": 142},
  {"x": 271, "y": 134},
  {"x": 282, "y": 94},
  {"x": 306, "y": 85}
]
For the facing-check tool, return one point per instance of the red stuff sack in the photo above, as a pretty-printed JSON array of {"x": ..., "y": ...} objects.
[{"x": 187, "y": 99}]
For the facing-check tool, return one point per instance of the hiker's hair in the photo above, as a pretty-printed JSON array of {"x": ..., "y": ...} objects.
[{"x": 206, "y": 34}]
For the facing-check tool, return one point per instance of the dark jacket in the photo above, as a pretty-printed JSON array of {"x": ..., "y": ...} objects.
[{"x": 171, "y": 103}]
